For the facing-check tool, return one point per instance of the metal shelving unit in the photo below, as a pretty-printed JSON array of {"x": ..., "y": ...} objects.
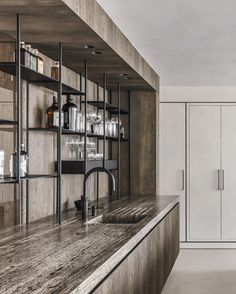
[
  {"x": 109, "y": 107},
  {"x": 37, "y": 78},
  {"x": 21, "y": 72}
]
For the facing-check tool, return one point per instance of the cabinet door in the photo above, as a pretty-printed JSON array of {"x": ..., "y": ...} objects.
[
  {"x": 229, "y": 167},
  {"x": 204, "y": 198},
  {"x": 172, "y": 155}
]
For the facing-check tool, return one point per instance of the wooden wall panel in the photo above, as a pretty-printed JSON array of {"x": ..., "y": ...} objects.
[
  {"x": 43, "y": 145},
  {"x": 9, "y": 204},
  {"x": 144, "y": 121}
]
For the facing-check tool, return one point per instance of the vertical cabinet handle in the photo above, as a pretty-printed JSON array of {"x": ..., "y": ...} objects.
[
  {"x": 183, "y": 180},
  {"x": 221, "y": 179}
]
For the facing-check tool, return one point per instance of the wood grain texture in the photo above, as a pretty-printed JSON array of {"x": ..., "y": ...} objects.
[
  {"x": 75, "y": 24},
  {"x": 96, "y": 18},
  {"x": 9, "y": 203},
  {"x": 148, "y": 266},
  {"x": 7, "y": 46},
  {"x": 143, "y": 141},
  {"x": 47, "y": 258}
]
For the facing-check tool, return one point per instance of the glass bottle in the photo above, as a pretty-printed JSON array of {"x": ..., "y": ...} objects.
[
  {"x": 39, "y": 61},
  {"x": 55, "y": 70},
  {"x": 29, "y": 51},
  {"x": 33, "y": 60},
  {"x": 122, "y": 133},
  {"x": 23, "y": 163},
  {"x": 25, "y": 54},
  {"x": 2, "y": 164},
  {"x": 70, "y": 113},
  {"x": 52, "y": 115}
]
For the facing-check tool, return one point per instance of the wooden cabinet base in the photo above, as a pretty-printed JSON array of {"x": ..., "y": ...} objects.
[{"x": 146, "y": 269}]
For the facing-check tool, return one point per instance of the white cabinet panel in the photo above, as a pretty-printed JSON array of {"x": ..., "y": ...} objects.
[
  {"x": 172, "y": 155},
  {"x": 229, "y": 167},
  {"x": 204, "y": 200}
]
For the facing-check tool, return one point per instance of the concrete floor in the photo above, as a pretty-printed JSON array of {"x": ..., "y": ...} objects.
[{"x": 198, "y": 271}]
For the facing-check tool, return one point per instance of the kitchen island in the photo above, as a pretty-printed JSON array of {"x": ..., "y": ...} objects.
[{"x": 84, "y": 258}]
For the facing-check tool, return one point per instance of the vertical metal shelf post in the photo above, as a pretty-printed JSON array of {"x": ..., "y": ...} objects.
[
  {"x": 18, "y": 93},
  {"x": 104, "y": 117},
  {"x": 85, "y": 113},
  {"x": 97, "y": 151},
  {"x": 129, "y": 147},
  {"x": 27, "y": 148},
  {"x": 58, "y": 200},
  {"x": 80, "y": 87},
  {"x": 118, "y": 149}
]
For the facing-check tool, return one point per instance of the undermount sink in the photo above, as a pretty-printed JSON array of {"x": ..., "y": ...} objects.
[{"x": 125, "y": 215}]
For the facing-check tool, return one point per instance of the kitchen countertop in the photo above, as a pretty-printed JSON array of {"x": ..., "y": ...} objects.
[{"x": 75, "y": 257}]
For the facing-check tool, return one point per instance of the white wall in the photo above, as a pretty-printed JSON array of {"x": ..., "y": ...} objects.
[{"x": 198, "y": 94}]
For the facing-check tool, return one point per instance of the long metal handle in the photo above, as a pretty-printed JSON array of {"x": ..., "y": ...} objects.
[
  {"x": 221, "y": 179},
  {"x": 183, "y": 180}
]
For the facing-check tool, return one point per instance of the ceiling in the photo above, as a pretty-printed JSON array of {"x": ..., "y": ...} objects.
[{"x": 188, "y": 43}]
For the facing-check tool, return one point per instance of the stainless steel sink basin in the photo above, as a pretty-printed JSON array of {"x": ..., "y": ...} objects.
[{"x": 125, "y": 215}]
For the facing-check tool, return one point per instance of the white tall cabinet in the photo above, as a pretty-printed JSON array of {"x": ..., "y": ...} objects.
[
  {"x": 204, "y": 162},
  {"x": 228, "y": 116},
  {"x": 172, "y": 155},
  {"x": 198, "y": 162}
]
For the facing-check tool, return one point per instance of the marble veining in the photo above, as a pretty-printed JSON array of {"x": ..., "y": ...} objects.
[{"x": 72, "y": 258}]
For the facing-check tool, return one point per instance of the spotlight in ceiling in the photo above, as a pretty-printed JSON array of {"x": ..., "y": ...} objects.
[
  {"x": 89, "y": 46},
  {"x": 96, "y": 52},
  {"x": 126, "y": 78}
]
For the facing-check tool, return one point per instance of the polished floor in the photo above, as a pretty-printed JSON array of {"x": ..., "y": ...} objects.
[{"x": 203, "y": 272}]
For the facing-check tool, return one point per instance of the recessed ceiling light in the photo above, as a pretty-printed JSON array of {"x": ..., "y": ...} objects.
[
  {"x": 89, "y": 46},
  {"x": 96, "y": 52},
  {"x": 126, "y": 78}
]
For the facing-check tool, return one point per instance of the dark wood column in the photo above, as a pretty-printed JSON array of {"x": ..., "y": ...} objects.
[{"x": 143, "y": 138}]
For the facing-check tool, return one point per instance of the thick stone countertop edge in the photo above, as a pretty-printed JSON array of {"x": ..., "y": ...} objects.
[{"x": 90, "y": 283}]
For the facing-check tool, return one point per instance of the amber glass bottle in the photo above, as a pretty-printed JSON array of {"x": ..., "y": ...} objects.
[{"x": 52, "y": 115}]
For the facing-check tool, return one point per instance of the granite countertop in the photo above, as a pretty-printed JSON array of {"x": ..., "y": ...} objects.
[{"x": 75, "y": 257}]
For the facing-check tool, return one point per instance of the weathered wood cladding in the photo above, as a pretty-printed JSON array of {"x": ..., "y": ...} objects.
[
  {"x": 96, "y": 18},
  {"x": 76, "y": 23},
  {"x": 143, "y": 142}
]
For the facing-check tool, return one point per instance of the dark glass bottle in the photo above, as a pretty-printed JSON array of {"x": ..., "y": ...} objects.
[
  {"x": 52, "y": 115},
  {"x": 70, "y": 112}
]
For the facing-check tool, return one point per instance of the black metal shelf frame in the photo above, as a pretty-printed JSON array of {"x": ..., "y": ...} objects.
[
  {"x": 63, "y": 167},
  {"x": 37, "y": 78},
  {"x": 109, "y": 107},
  {"x": 68, "y": 132}
]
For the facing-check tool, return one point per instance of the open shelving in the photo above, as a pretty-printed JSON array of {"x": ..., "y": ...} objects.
[
  {"x": 7, "y": 122},
  {"x": 22, "y": 72},
  {"x": 8, "y": 180},
  {"x": 108, "y": 106},
  {"x": 37, "y": 78},
  {"x": 68, "y": 132},
  {"x": 78, "y": 166}
]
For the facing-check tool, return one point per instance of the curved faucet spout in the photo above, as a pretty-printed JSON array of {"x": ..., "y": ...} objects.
[
  {"x": 85, "y": 198},
  {"x": 99, "y": 169}
]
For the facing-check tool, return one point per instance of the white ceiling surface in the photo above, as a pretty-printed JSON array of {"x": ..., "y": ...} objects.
[{"x": 188, "y": 42}]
